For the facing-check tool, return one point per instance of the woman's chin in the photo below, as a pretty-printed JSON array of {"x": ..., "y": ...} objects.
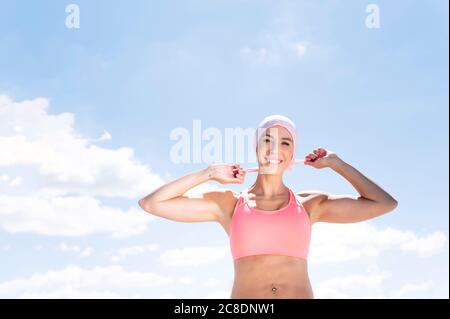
[{"x": 272, "y": 169}]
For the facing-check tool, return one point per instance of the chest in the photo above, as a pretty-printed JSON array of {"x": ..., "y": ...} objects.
[{"x": 268, "y": 204}]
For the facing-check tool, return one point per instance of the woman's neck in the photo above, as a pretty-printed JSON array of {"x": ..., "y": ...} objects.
[{"x": 267, "y": 185}]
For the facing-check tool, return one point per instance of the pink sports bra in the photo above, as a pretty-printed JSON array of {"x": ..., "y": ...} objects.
[{"x": 286, "y": 231}]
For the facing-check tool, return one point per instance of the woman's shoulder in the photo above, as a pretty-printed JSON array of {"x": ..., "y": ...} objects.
[
  {"x": 309, "y": 198},
  {"x": 225, "y": 195},
  {"x": 221, "y": 194},
  {"x": 310, "y": 193},
  {"x": 227, "y": 192}
]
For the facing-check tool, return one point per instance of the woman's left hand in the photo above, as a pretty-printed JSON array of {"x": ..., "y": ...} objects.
[{"x": 321, "y": 158}]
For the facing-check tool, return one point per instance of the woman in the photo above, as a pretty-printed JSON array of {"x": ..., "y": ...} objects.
[{"x": 269, "y": 225}]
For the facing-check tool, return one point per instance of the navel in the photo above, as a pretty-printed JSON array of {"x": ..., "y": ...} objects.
[{"x": 274, "y": 289}]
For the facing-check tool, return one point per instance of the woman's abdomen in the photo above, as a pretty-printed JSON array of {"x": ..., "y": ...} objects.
[{"x": 267, "y": 276}]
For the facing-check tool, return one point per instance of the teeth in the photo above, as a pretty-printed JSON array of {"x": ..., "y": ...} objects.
[{"x": 271, "y": 161}]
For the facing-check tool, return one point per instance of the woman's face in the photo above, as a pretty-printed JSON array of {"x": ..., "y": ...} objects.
[{"x": 275, "y": 150}]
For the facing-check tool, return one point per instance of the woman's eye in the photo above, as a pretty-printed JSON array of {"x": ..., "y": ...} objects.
[
  {"x": 267, "y": 140},
  {"x": 286, "y": 144}
]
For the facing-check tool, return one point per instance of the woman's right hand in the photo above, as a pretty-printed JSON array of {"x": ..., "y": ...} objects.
[{"x": 226, "y": 173}]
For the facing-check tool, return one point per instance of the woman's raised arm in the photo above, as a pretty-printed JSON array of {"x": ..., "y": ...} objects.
[
  {"x": 169, "y": 200},
  {"x": 372, "y": 201}
]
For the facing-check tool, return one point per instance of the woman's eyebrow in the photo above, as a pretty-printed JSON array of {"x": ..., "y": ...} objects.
[{"x": 283, "y": 138}]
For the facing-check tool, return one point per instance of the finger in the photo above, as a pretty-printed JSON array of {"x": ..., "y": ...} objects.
[
  {"x": 314, "y": 162},
  {"x": 322, "y": 152},
  {"x": 319, "y": 153},
  {"x": 237, "y": 170}
]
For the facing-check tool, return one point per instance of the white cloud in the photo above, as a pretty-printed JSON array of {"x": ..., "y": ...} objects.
[
  {"x": 87, "y": 252},
  {"x": 69, "y": 172},
  {"x": 5, "y": 247},
  {"x": 259, "y": 55},
  {"x": 299, "y": 48},
  {"x": 69, "y": 216},
  {"x": 67, "y": 248},
  {"x": 82, "y": 252},
  {"x": 71, "y": 293},
  {"x": 186, "y": 280},
  {"x": 70, "y": 163},
  {"x": 344, "y": 242},
  {"x": 414, "y": 290},
  {"x": 276, "y": 49},
  {"x": 373, "y": 284},
  {"x": 16, "y": 181},
  {"x": 123, "y": 253},
  {"x": 352, "y": 286},
  {"x": 193, "y": 256},
  {"x": 426, "y": 246},
  {"x": 211, "y": 282},
  {"x": 168, "y": 295},
  {"x": 200, "y": 189},
  {"x": 220, "y": 294},
  {"x": 76, "y": 282},
  {"x": 106, "y": 136},
  {"x": 202, "y": 293}
]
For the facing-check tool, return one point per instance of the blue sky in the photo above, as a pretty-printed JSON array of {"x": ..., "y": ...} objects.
[{"x": 377, "y": 97}]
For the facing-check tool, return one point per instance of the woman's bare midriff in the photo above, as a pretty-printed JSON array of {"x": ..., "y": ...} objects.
[
  {"x": 268, "y": 276},
  {"x": 271, "y": 276}
]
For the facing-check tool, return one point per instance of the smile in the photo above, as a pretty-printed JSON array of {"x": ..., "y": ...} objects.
[{"x": 273, "y": 161}]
